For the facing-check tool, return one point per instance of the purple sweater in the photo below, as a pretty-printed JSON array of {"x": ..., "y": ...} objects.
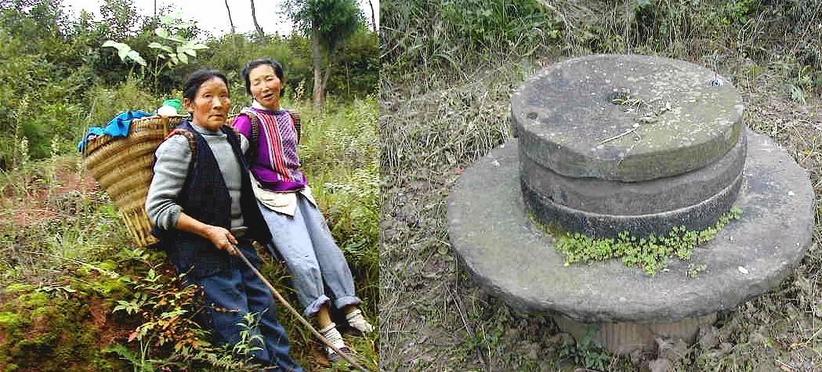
[{"x": 276, "y": 165}]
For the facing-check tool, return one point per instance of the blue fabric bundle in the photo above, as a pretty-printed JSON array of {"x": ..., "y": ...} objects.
[{"x": 117, "y": 127}]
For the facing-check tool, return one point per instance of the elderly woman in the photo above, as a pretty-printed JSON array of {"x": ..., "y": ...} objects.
[
  {"x": 300, "y": 234},
  {"x": 203, "y": 207}
]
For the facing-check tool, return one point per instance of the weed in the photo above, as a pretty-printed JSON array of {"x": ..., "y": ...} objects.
[
  {"x": 488, "y": 24},
  {"x": 695, "y": 269},
  {"x": 649, "y": 253},
  {"x": 449, "y": 36},
  {"x": 624, "y": 98},
  {"x": 586, "y": 352},
  {"x": 24, "y": 158},
  {"x": 250, "y": 337}
]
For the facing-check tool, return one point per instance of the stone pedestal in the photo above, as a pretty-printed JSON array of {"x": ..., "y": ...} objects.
[
  {"x": 573, "y": 168},
  {"x": 625, "y": 337}
]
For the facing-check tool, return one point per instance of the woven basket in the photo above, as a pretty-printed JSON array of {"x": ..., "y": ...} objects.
[{"x": 123, "y": 167}]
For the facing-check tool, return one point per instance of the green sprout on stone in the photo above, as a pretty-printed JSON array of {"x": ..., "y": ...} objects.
[
  {"x": 625, "y": 99},
  {"x": 651, "y": 253},
  {"x": 694, "y": 270},
  {"x": 650, "y": 113}
]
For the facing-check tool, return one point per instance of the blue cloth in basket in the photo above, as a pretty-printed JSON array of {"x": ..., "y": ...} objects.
[{"x": 117, "y": 127}]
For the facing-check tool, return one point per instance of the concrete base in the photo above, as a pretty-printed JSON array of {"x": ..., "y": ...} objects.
[
  {"x": 627, "y": 337},
  {"x": 491, "y": 233}
]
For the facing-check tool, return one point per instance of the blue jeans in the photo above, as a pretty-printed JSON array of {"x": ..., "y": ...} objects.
[
  {"x": 313, "y": 258},
  {"x": 233, "y": 293}
]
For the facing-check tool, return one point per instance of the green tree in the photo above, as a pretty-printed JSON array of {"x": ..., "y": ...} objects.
[
  {"x": 329, "y": 23},
  {"x": 358, "y": 66},
  {"x": 121, "y": 17},
  {"x": 42, "y": 73}
]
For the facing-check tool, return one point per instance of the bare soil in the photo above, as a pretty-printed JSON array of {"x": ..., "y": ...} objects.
[{"x": 26, "y": 202}]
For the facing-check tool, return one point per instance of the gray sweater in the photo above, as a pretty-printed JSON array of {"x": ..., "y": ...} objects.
[{"x": 171, "y": 168}]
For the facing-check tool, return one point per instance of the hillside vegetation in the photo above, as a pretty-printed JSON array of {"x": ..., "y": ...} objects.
[{"x": 76, "y": 293}]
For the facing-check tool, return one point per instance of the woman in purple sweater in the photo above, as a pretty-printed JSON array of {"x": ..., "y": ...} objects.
[{"x": 300, "y": 234}]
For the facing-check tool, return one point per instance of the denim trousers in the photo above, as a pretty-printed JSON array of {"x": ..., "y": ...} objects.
[
  {"x": 235, "y": 292},
  {"x": 305, "y": 244}
]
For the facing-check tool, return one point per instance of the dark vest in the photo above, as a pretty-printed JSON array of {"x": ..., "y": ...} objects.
[{"x": 205, "y": 197}]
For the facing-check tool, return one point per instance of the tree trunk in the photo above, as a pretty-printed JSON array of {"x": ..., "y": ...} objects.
[
  {"x": 326, "y": 75},
  {"x": 316, "y": 54},
  {"x": 230, "y": 21},
  {"x": 347, "y": 80},
  {"x": 254, "y": 18},
  {"x": 373, "y": 18}
]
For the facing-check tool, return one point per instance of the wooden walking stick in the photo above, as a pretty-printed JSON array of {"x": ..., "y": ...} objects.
[{"x": 302, "y": 320}]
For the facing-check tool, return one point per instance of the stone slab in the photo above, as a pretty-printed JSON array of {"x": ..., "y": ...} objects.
[
  {"x": 565, "y": 114},
  {"x": 626, "y": 337},
  {"x": 493, "y": 237},
  {"x": 695, "y": 217},
  {"x": 634, "y": 198}
]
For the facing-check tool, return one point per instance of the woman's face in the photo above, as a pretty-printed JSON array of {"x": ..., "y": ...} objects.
[
  {"x": 265, "y": 86},
  {"x": 209, "y": 108}
]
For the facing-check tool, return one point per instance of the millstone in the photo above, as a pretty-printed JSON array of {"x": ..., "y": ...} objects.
[
  {"x": 694, "y": 217},
  {"x": 491, "y": 233},
  {"x": 634, "y": 198},
  {"x": 626, "y": 118}
]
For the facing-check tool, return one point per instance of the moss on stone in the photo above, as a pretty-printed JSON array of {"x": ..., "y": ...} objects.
[
  {"x": 50, "y": 333},
  {"x": 651, "y": 254}
]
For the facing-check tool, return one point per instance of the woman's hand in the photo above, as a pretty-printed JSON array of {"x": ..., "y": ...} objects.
[{"x": 219, "y": 236}]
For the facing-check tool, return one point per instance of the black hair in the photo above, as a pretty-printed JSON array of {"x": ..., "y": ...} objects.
[
  {"x": 278, "y": 70},
  {"x": 199, "y": 77}
]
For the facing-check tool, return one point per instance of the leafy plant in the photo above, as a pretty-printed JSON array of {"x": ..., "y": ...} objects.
[
  {"x": 797, "y": 94},
  {"x": 166, "y": 307},
  {"x": 586, "y": 352},
  {"x": 178, "y": 51},
  {"x": 490, "y": 23},
  {"x": 695, "y": 269},
  {"x": 125, "y": 52},
  {"x": 250, "y": 337},
  {"x": 173, "y": 49},
  {"x": 651, "y": 253}
]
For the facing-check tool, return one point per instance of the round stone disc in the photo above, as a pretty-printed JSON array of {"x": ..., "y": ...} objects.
[
  {"x": 634, "y": 198},
  {"x": 491, "y": 233},
  {"x": 626, "y": 117},
  {"x": 696, "y": 217}
]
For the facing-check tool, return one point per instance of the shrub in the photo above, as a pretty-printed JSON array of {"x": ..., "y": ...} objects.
[
  {"x": 499, "y": 23},
  {"x": 340, "y": 154}
]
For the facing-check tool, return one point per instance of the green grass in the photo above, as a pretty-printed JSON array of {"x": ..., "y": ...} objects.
[{"x": 62, "y": 240}]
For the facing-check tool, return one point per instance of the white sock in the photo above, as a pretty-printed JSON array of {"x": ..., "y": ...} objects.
[
  {"x": 334, "y": 337},
  {"x": 357, "y": 321}
]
